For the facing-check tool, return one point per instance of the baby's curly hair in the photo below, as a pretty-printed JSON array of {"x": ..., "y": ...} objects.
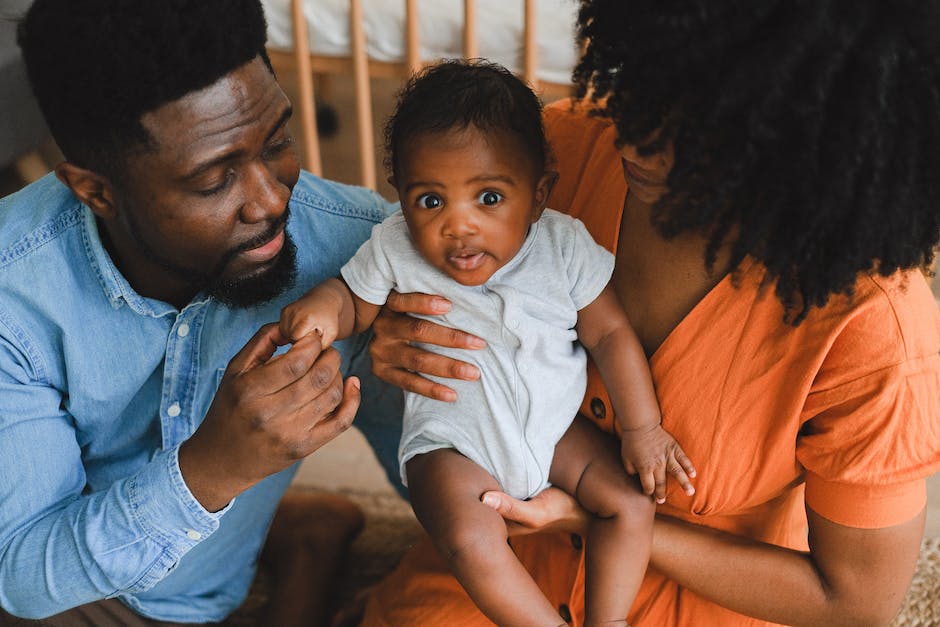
[
  {"x": 457, "y": 93},
  {"x": 806, "y": 132},
  {"x": 96, "y": 66}
]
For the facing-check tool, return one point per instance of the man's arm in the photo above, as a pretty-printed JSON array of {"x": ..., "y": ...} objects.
[{"x": 60, "y": 548}]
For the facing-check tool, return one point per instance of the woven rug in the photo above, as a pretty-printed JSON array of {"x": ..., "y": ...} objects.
[{"x": 391, "y": 529}]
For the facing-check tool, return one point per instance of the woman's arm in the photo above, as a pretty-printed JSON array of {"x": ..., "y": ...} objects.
[
  {"x": 850, "y": 576},
  {"x": 397, "y": 361}
]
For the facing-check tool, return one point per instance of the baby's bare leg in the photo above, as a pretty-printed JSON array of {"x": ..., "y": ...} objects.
[
  {"x": 587, "y": 465},
  {"x": 445, "y": 489}
]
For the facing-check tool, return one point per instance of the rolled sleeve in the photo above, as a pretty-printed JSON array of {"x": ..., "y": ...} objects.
[{"x": 871, "y": 444}]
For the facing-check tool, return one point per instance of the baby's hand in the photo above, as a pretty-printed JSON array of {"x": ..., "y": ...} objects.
[
  {"x": 310, "y": 314},
  {"x": 652, "y": 453}
]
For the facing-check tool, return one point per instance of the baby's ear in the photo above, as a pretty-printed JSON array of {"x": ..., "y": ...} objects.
[{"x": 543, "y": 190}]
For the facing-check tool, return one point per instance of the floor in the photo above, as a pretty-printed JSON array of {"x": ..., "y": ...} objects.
[{"x": 347, "y": 462}]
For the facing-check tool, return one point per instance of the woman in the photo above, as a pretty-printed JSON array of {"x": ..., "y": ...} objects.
[{"x": 765, "y": 173}]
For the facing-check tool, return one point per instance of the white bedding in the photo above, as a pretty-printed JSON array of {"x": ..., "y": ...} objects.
[{"x": 499, "y": 30}]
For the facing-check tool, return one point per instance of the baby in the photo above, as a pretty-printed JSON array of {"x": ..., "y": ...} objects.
[{"x": 469, "y": 160}]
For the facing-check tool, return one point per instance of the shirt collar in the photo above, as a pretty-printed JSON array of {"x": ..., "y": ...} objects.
[{"x": 116, "y": 288}]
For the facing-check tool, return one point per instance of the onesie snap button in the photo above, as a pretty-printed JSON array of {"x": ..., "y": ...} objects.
[{"x": 598, "y": 409}]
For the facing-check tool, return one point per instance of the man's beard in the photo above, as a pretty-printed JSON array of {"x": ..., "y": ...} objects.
[
  {"x": 258, "y": 288},
  {"x": 239, "y": 292}
]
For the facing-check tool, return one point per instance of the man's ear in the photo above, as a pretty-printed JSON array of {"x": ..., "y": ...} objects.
[
  {"x": 543, "y": 190},
  {"x": 91, "y": 188}
]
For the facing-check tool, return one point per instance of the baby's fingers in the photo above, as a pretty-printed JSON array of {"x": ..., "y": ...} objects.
[
  {"x": 659, "y": 493},
  {"x": 678, "y": 470},
  {"x": 647, "y": 480},
  {"x": 684, "y": 461}
]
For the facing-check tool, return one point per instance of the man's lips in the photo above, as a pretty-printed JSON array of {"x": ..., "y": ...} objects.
[{"x": 267, "y": 251}]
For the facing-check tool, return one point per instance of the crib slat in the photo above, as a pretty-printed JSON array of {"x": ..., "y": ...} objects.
[
  {"x": 471, "y": 49},
  {"x": 308, "y": 117},
  {"x": 530, "y": 51},
  {"x": 412, "y": 36},
  {"x": 363, "y": 95}
]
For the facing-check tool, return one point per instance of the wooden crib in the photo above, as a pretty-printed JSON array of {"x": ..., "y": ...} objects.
[{"x": 367, "y": 39}]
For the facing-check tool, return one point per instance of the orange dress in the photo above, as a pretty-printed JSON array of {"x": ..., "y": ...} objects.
[{"x": 841, "y": 413}]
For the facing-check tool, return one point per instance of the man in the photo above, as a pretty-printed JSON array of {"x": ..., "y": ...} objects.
[{"x": 147, "y": 429}]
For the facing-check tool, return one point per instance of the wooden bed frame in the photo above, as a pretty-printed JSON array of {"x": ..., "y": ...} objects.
[{"x": 304, "y": 65}]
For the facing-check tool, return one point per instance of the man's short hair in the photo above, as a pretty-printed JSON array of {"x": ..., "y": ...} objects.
[{"x": 96, "y": 66}]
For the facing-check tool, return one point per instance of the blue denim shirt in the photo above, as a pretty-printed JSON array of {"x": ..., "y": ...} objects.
[{"x": 98, "y": 388}]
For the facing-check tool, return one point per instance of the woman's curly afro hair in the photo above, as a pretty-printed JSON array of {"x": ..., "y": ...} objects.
[{"x": 806, "y": 132}]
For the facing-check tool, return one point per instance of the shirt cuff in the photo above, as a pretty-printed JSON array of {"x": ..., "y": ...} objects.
[
  {"x": 165, "y": 508},
  {"x": 865, "y": 506}
]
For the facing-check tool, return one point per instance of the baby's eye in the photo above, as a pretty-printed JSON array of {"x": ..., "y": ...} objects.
[
  {"x": 490, "y": 198},
  {"x": 429, "y": 201}
]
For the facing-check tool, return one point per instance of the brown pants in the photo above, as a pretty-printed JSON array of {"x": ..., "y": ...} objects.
[{"x": 107, "y": 613}]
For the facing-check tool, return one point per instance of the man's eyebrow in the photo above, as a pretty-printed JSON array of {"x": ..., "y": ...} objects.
[
  {"x": 281, "y": 121},
  {"x": 228, "y": 156}
]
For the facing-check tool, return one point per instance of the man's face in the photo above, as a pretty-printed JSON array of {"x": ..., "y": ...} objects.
[{"x": 206, "y": 207}]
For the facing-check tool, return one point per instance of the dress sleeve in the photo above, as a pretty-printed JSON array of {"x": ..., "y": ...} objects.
[{"x": 872, "y": 422}]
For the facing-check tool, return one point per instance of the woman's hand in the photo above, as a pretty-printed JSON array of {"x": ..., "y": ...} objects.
[
  {"x": 396, "y": 360},
  {"x": 551, "y": 509}
]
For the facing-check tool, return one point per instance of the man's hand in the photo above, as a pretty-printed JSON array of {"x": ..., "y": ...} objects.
[
  {"x": 397, "y": 361},
  {"x": 266, "y": 415},
  {"x": 551, "y": 509}
]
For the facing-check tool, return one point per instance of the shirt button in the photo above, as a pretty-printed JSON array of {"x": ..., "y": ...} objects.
[
  {"x": 598, "y": 408},
  {"x": 564, "y": 612},
  {"x": 192, "y": 534},
  {"x": 173, "y": 410},
  {"x": 182, "y": 330},
  {"x": 576, "y": 542}
]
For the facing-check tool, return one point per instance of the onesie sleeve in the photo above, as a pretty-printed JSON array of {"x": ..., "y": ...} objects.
[
  {"x": 589, "y": 265},
  {"x": 872, "y": 430},
  {"x": 369, "y": 273}
]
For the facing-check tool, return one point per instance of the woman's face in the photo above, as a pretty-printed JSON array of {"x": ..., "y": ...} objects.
[{"x": 646, "y": 176}]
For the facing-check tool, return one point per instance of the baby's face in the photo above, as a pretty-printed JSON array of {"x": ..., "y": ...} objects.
[{"x": 469, "y": 198}]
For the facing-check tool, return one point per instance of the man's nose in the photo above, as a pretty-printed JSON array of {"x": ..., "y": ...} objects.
[{"x": 266, "y": 195}]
